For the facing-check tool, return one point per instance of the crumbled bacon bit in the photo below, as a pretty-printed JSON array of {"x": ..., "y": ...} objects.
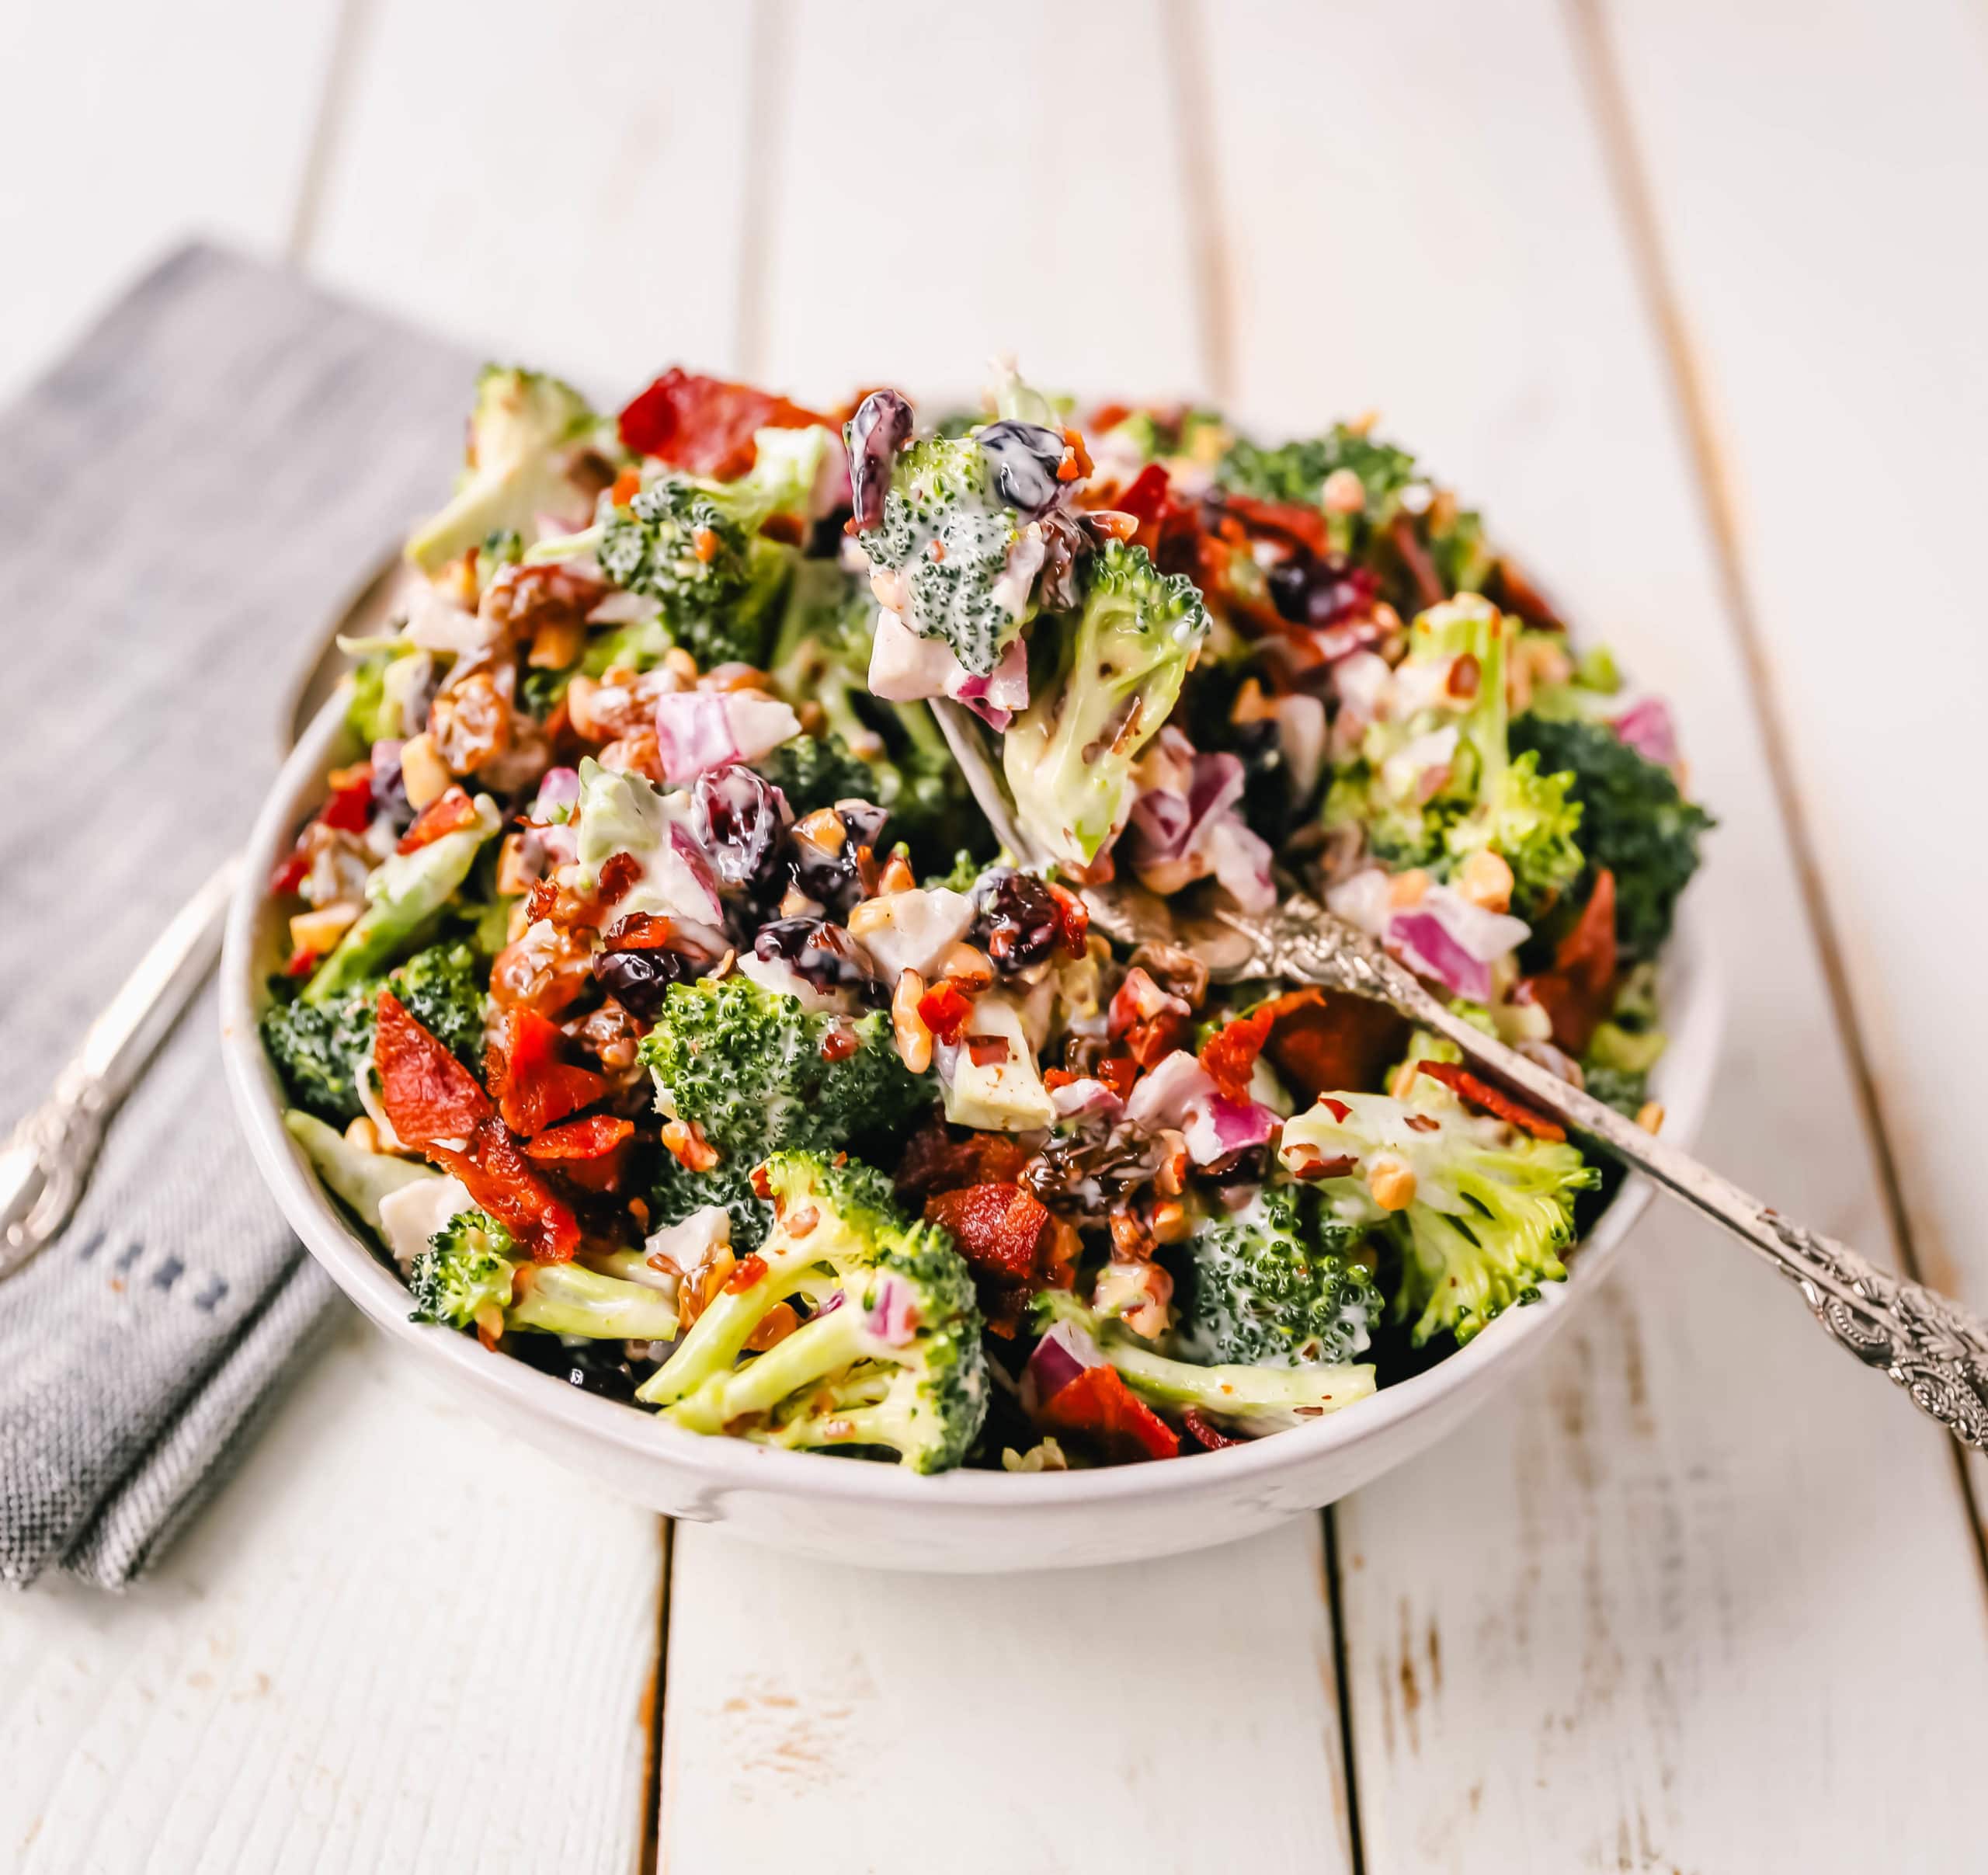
[
  {"x": 704, "y": 544},
  {"x": 706, "y": 425},
  {"x": 1229, "y": 1055},
  {"x": 626, "y": 486},
  {"x": 503, "y": 1182},
  {"x": 448, "y": 813},
  {"x": 989, "y": 1051},
  {"x": 1099, "y": 1406},
  {"x": 944, "y": 1011},
  {"x": 935, "y": 1161},
  {"x": 426, "y": 1093},
  {"x": 763, "y": 1186},
  {"x": 1576, "y": 992},
  {"x": 749, "y": 1272},
  {"x": 1206, "y": 1435},
  {"x": 1466, "y": 1087},
  {"x": 534, "y": 1087}
]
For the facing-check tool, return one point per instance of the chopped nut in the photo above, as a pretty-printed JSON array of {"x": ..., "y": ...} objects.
[
  {"x": 1403, "y": 1079},
  {"x": 897, "y": 875},
  {"x": 514, "y": 877},
  {"x": 1251, "y": 705},
  {"x": 1486, "y": 880},
  {"x": 557, "y": 640},
  {"x": 914, "y": 1036},
  {"x": 795, "y": 903},
  {"x": 1406, "y": 889},
  {"x": 680, "y": 665},
  {"x": 362, "y": 1134},
  {"x": 1170, "y": 1222},
  {"x": 470, "y": 723},
  {"x": 1344, "y": 493},
  {"x": 1391, "y": 1182},
  {"x": 823, "y": 828},
  {"x": 800, "y": 1221},
  {"x": 872, "y": 915},
  {"x": 1171, "y": 1179},
  {"x": 966, "y": 967},
  {"x": 691, "y": 1150},
  {"x": 315, "y": 932},
  {"x": 1649, "y": 1116},
  {"x": 423, "y": 774},
  {"x": 773, "y": 1328}
]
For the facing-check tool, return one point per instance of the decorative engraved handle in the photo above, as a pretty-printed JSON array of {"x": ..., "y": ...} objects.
[{"x": 1923, "y": 1339}]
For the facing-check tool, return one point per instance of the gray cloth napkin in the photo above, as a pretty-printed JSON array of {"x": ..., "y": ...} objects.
[{"x": 185, "y": 500}]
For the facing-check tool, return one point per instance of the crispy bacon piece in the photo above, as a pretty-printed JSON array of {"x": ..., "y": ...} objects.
[
  {"x": 448, "y": 812},
  {"x": 1100, "y": 1408},
  {"x": 1580, "y": 988},
  {"x": 428, "y": 1094},
  {"x": 935, "y": 1161},
  {"x": 1495, "y": 1101},
  {"x": 1150, "y": 1022},
  {"x": 1286, "y": 521},
  {"x": 944, "y": 1010},
  {"x": 504, "y": 1183},
  {"x": 534, "y": 1087},
  {"x": 1229, "y": 1055},
  {"x": 997, "y": 1227},
  {"x": 1205, "y": 1434},
  {"x": 1322, "y": 1039},
  {"x": 706, "y": 425},
  {"x": 592, "y": 1153}
]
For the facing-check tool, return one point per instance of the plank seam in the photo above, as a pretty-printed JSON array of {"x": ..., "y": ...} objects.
[
  {"x": 1343, "y": 1692},
  {"x": 1200, "y": 193},
  {"x": 650, "y": 1856},
  {"x": 349, "y": 31},
  {"x": 1629, "y": 181}
]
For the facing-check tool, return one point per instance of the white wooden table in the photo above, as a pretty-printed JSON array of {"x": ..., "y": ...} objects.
[{"x": 1689, "y": 294}]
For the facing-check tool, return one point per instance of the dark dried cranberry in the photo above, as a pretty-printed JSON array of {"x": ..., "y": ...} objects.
[
  {"x": 637, "y": 979},
  {"x": 823, "y": 954},
  {"x": 389, "y": 790},
  {"x": 1308, "y": 590},
  {"x": 1026, "y": 457},
  {"x": 836, "y": 879},
  {"x": 1017, "y": 920},
  {"x": 881, "y": 427},
  {"x": 737, "y": 816}
]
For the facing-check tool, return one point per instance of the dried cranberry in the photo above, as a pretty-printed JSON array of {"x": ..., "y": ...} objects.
[
  {"x": 737, "y": 817},
  {"x": 881, "y": 427},
  {"x": 1311, "y": 590},
  {"x": 389, "y": 790},
  {"x": 1017, "y": 919},
  {"x": 836, "y": 879},
  {"x": 822, "y": 954},
  {"x": 637, "y": 979}
]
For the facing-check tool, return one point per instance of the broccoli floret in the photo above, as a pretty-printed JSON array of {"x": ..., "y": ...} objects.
[
  {"x": 1634, "y": 822},
  {"x": 816, "y": 771},
  {"x": 890, "y": 1358},
  {"x": 1480, "y": 1212},
  {"x": 1118, "y": 669},
  {"x": 746, "y": 1065},
  {"x": 1297, "y": 471},
  {"x": 1533, "y": 822},
  {"x": 678, "y": 1194},
  {"x": 403, "y": 893},
  {"x": 947, "y": 532},
  {"x": 1251, "y": 1398},
  {"x": 1275, "y": 1285},
  {"x": 527, "y": 435},
  {"x": 473, "y": 1276},
  {"x": 322, "y": 1049},
  {"x": 695, "y": 546}
]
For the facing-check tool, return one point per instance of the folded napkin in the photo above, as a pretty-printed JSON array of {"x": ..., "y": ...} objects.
[{"x": 185, "y": 502}]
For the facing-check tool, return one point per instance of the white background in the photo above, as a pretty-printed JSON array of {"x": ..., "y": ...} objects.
[{"x": 1689, "y": 295}]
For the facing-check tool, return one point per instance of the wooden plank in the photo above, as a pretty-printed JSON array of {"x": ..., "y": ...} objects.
[
  {"x": 1172, "y": 1715},
  {"x": 353, "y": 1661},
  {"x": 1831, "y": 303},
  {"x": 1606, "y": 1627},
  {"x": 124, "y": 134},
  {"x": 524, "y": 178},
  {"x": 855, "y": 1720}
]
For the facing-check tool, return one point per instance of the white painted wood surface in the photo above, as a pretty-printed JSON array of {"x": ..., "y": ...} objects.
[{"x": 1696, "y": 1594}]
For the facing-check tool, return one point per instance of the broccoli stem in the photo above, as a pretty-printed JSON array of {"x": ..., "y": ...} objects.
[
  {"x": 815, "y": 1349},
  {"x": 570, "y": 1298},
  {"x": 718, "y": 1337}
]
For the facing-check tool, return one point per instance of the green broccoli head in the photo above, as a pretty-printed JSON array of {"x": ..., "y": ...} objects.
[
  {"x": 1275, "y": 1285},
  {"x": 747, "y": 1066},
  {"x": 695, "y": 546},
  {"x": 473, "y": 1276},
  {"x": 1532, "y": 821},
  {"x": 946, "y": 536},
  {"x": 1257, "y": 1399},
  {"x": 890, "y": 1358},
  {"x": 1634, "y": 822},
  {"x": 1296, "y": 471},
  {"x": 1117, "y": 669},
  {"x": 814, "y": 771},
  {"x": 1479, "y": 1211},
  {"x": 678, "y": 1193},
  {"x": 322, "y": 1050},
  {"x": 529, "y": 435}
]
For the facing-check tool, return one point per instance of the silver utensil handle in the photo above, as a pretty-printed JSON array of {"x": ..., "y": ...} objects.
[
  {"x": 1924, "y": 1341},
  {"x": 46, "y": 1160}
]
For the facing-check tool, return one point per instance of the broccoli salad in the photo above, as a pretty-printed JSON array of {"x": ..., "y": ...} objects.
[{"x": 658, "y": 1001}]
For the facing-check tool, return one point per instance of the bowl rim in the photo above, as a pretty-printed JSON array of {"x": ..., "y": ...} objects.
[{"x": 727, "y": 1463}]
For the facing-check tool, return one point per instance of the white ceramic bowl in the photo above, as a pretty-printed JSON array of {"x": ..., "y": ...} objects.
[{"x": 966, "y": 1522}]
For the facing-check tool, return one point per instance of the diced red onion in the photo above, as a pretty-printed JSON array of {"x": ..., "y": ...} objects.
[
  {"x": 696, "y": 730},
  {"x": 892, "y": 1319},
  {"x": 559, "y": 787},
  {"x": 1084, "y": 1096},
  {"x": 1059, "y": 1357},
  {"x": 1178, "y": 1093},
  {"x": 905, "y": 668},
  {"x": 995, "y": 698},
  {"x": 1646, "y": 727},
  {"x": 1427, "y": 946}
]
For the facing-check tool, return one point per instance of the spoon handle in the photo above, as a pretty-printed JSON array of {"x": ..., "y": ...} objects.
[{"x": 1924, "y": 1341}]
